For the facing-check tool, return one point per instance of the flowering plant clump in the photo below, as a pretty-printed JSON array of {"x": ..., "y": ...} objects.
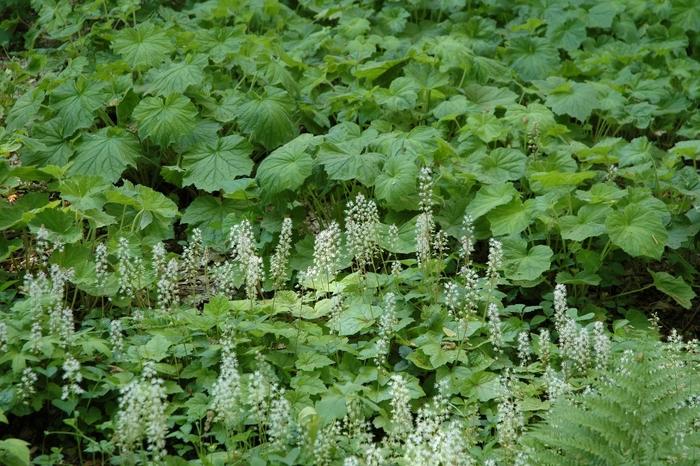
[{"x": 329, "y": 233}]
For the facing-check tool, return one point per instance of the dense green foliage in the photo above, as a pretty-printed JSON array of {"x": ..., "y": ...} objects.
[{"x": 325, "y": 232}]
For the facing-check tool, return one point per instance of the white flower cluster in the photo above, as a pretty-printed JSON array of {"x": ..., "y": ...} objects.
[
  {"x": 35, "y": 336},
  {"x": 3, "y": 337},
  {"x": 326, "y": 254},
  {"x": 101, "y": 263},
  {"x": 425, "y": 224},
  {"x": 433, "y": 441},
  {"x": 72, "y": 377},
  {"x": 116, "y": 336},
  {"x": 393, "y": 239},
  {"x": 544, "y": 343},
  {"x": 167, "y": 287},
  {"x": 387, "y": 322},
  {"x": 194, "y": 255},
  {"x": 46, "y": 292},
  {"x": 494, "y": 325},
  {"x": 226, "y": 391},
  {"x": 280, "y": 259},
  {"x": 524, "y": 347},
  {"x": 242, "y": 244},
  {"x": 510, "y": 418},
  {"x": 325, "y": 443},
  {"x": 223, "y": 278},
  {"x": 130, "y": 269},
  {"x": 280, "y": 421},
  {"x": 361, "y": 222},
  {"x": 142, "y": 415},
  {"x": 452, "y": 299},
  {"x": 467, "y": 241},
  {"x": 601, "y": 346},
  {"x": 337, "y": 302},
  {"x": 159, "y": 261},
  {"x": 556, "y": 385},
  {"x": 425, "y": 227},
  {"x": 62, "y": 325},
  {"x": 401, "y": 417},
  {"x": 27, "y": 385},
  {"x": 495, "y": 261}
]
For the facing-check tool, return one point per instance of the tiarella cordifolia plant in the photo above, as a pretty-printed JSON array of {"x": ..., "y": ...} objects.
[
  {"x": 280, "y": 259},
  {"x": 141, "y": 418},
  {"x": 361, "y": 222},
  {"x": 496, "y": 160}
]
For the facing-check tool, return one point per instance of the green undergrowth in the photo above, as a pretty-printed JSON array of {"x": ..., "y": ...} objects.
[{"x": 348, "y": 232}]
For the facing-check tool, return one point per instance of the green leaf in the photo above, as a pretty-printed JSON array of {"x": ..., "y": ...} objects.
[
  {"x": 174, "y": 78},
  {"x": 344, "y": 164},
  {"x": 212, "y": 166},
  {"x": 401, "y": 95},
  {"x": 60, "y": 224},
  {"x": 106, "y": 153},
  {"x": 588, "y": 222},
  {"x": 165, "y": 121},
  {"x": 14, "y": 452},
  {"x": 523, "y": 264},
  {"x": 532, "y": 57},
  {"x": 268, "y": 118},
  {"x": 675, "y": 287},
  {"x": 143, "y": 46},
  {"x": 490, "y": 197},
  {"x": 25, "y": 109},
  {"x": 502, "y": 164},
  {"x": 156, "y": 349},
  {"x": 638, "y": 231},
  {"x": 396, "y": 184},
  {"x": 287, "y": 167},
  {"x": 571, "y": 98},
  {"x": 76, "y": 102},
  {"x": 510, "y": 219},
  {"x": 310, "y": 360}
]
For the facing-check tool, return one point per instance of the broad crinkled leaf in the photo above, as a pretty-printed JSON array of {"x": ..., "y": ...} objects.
[
  {"x": 174, "y": 78},
  {"x": 268, "y": 118},
  {"x": 638, "y": 231},
  {"x": 165, "y": 121},
  {"x": 143, "y": 46},
  {"x": 287, "y": 167},
  {"x": 49, "y": 144},
  {"x": 213, "y": 165},
  {"x": 344, "y": 166},
  {"x": 106, "y": 153},
  {"x": 76, "y": 102}
]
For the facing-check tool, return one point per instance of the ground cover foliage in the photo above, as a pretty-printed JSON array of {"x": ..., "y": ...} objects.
[{"x": 349, "y": 233}]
